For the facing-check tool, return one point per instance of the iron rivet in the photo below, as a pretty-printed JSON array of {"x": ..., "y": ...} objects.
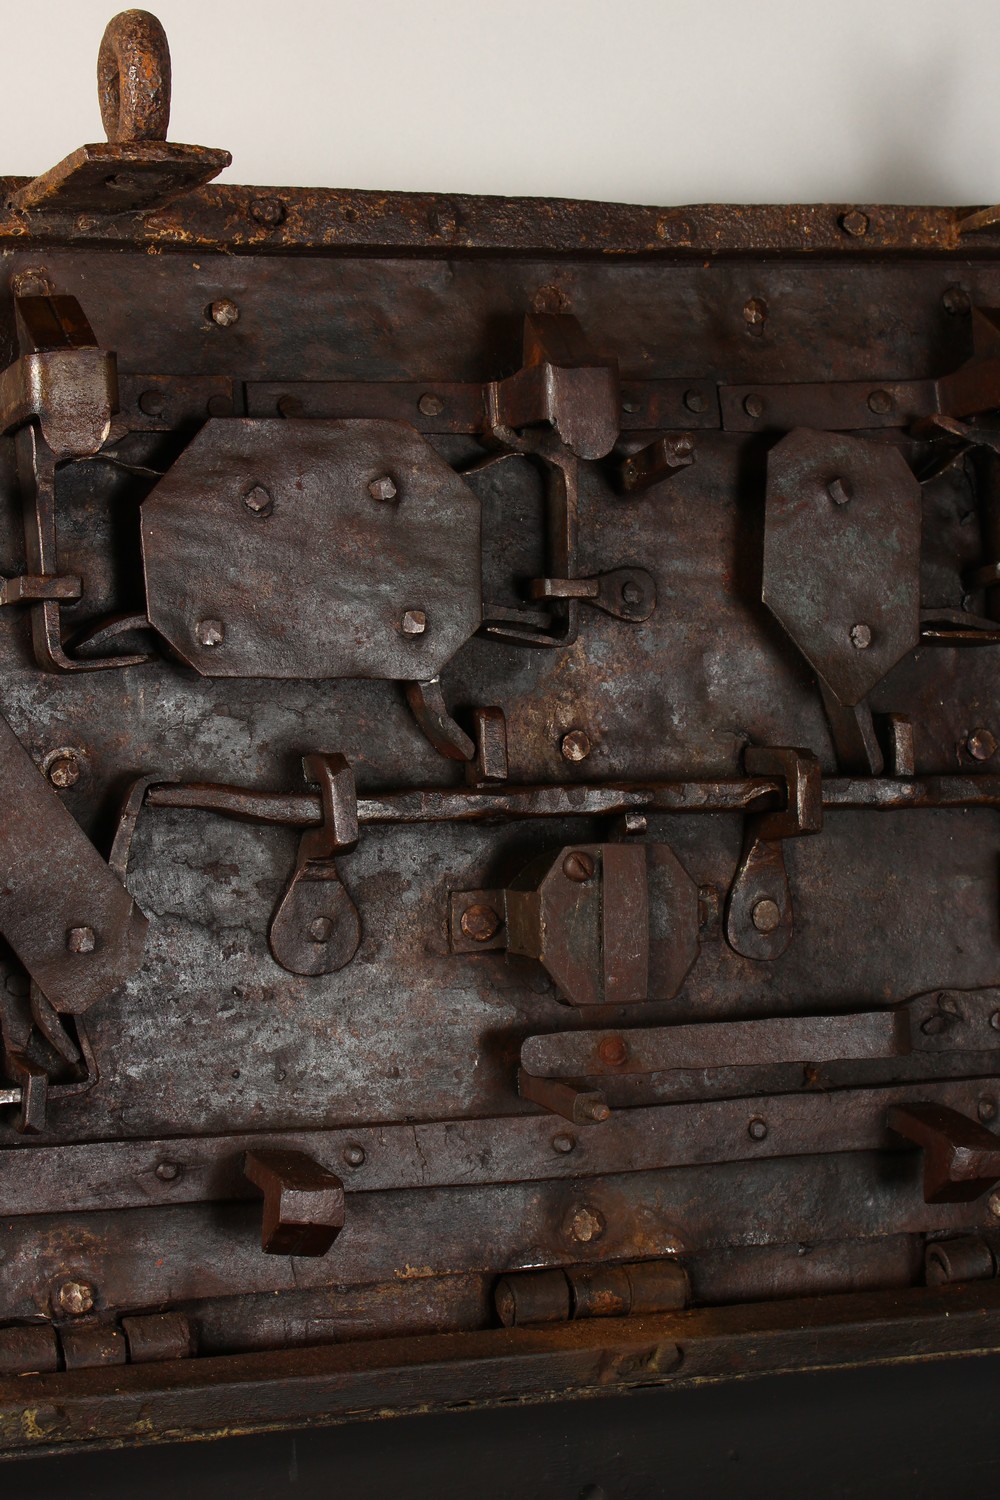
[
  {"x": 585, "y": 1224},
  {"x": 595, "y": 1109},
  {"x": 321, "y": 930},
  {"x": 981, "y": 744},
  {"x": 994, "y": 1201},
  {"x": 563, "y": 1143},
  {"x": 613, "y": 1051},
  {"x": 854, "y": 222},
  {"x": 63, "y": 769},
  {"x": 290, "y": 406},
  {"x": 694, "y": 401},
  {"x": 219, "y": 405},
  {"x": 631, "y": 592},
  {"x": 956, "y": 300},
  {"x": 354, "y": 1155},
  {"x": 995, "y": 1020},
  {"x": 838, "y": 492},
  {"x": 575, "y": 745},
  {"x": 755, "y": 312},
  {"x": 430, "y": 405},
  {"x": 757, "y": 1129},
  {"x": 76, "y": 1298},
  {"x": 631, "y": 407},
  {"x": 578, "y": 866},
  {"x": 480, "y": 922},
  {"x": 880, "y": 402},
  {"x": 986, "y": 1109},
  {"x": 81, "y": 940},
  {"x": 210, "y": 632},
  {"x": 224, "y": 313},
  {"x": 382, "y": 488},
  {"x": 168, "y": 1171},
  {"x": 414, "y": 622},
  {"x": 861, "y": 637},
  {"x": 258, "y": 500},
  {"x": 270, "y": 212},
  {"x": 151, "y": 403},
  {"x": 766, "y": 915},
  {"x": 753, "y": 406},
  {"x": 934, "y": 1024}
]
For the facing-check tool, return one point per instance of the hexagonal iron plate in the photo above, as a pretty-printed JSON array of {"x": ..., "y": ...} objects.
[
  {"x": 270, "y": 550},
  {"x": 842, "y": 555}
]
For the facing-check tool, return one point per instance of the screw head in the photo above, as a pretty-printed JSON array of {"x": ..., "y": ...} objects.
[
  {"x": 224, "y": 313},
  {"x": 354, "y": 1155},
  {"x": 613, "y": 1051},
  {"x": 321, "y": 930},
  {"x": 151, "y": 403},
  {"x": 480, "y": 922},
  {"x": 210, "y": 632},
  {"x": 880, "y": 402},
  {"x": 168, "y": 1171},
  {"x": 753, "y": 405},
  {"x": 382, "y": 488},
  {"x": 861, "y": 637},
  {"x": 694, "y": 401},
  {"x": 76, "y": 1298},
  {"x": 757, "y": 1129},
  {"x": 956, "y": 300},
  {"x": 766, "y": 915},
  {"x": 585, "y": 1223},
  {"x": 81, "y": 940},
  {"x": 578, "y": 866},
  {"x": 63, "y": 770},
  {"x": 854, "y": 222},
  {"x": 563, "y": 1142},
  {"x": 258, "y": 500},
  {"x": 575, "y": 745},
  {"x": 981, "y": 744},
  {"x": 838, "y": 491},
  {"x": 430, "y": 405},
  {"x": 414, "y": 622},
  {"x": 269, "y": 212}
]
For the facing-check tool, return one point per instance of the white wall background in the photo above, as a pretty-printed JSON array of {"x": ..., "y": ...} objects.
[{"x": 649, "y": 101}]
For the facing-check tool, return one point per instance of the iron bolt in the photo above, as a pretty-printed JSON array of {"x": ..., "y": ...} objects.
[
  {"x": 861, "y": 636},
  {"x": 168, "y": 1171},
  {"x": 578, "y": 866},
  {"x": 63, "y": 771},
  {"x": 880, "y": 402},
  {"x": 382, "y": 488},
  {"x": 76, "y": 1298},
  {"x": 151, "y": 403},
  {"x": 585, "y": 1224},
  {"x": 321, "y": 930},
  {"x": 981, "y": 744},
  {"x": 838, "y": 491},
  {"x": 268, "y": 211},
  {"x": 224, "y": 313},
  {"x": 613, "y": 1051},
  {"x": 986, "y": 1109},
  {"x": 430, "y": 405},
  {"x": 290, "y": 406},
  {"x": 995, "y": 1020},
  {"x": 354, "y": 1155},
  {"x": 595, "y": 1110},
  {"x": 219, "y": 405},
  {"x": 210, "y": 632},
  {"x": 631, "y": 592},
  {"x": 757, "y": 1129},
  {"x": 694, "y": 401},
  {"x": 480, "y": 922},
  {"x": 854, "y": 222},
  {"x": 563, "y": 1142},
  {"x": 994, "y": 1202},
  {"x": 414, "y": 622},
  {"x": 956, "y": 300},
  {"x": 81, "y": 940},
  {"x": 753, "y": 406},
  {"x": 766, "y": 915},
  {"x": 575, "y": 745},
  {"x": 258, "y": 500}
]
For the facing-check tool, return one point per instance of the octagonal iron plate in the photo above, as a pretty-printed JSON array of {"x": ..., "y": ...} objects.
[
  {"x": 842, "y": 555},
  {"x": 278, "y": 548}
]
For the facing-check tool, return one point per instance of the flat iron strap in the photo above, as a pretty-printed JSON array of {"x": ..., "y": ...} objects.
[{"x": 65, "y": 913}]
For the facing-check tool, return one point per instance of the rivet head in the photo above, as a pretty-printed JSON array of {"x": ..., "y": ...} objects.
[
  {"x": 480, "y": 922},
  {"x": 430, "y": 405},
  {"x": 354, "y": 1155},
  {"x": 861, "y": 637},
  {"x": 613, "y": 1051},
  {"x": 414, "y": 622},
  {"x": 631, "y": 592},
  {"x": 585, "y": 1224},
  {"x": 994, "y": 1202},
  {"x": 210, "y": 632},
  {"x": 382, "y": 488},
  {"x": 838, "y": 491},
  {"x": 563, "y": 1142},
  {"x": 854, "y": 222},
  {"x": 269, "y": 212},
  {"x": 956, "y": 301},
  {"x": 986, "y": 1109},
  {"x": 995, "y": 1020},
  {"x": 224, "y": 313},
  {"x": 981, "y": 744},
  {"x": 151, "y": 403},
  {"x": 81, "y": 940},
  {"x": 168, "y": 1171},
  {"x": 753, "y": 405},
  {"x": 63, "y": 770},
  {"x": 578, "y": 866},
  {"x": 766, "y": 915},
  {"x": 321, "y": 930},
  {"x": 757, "y": 1129},
  {"x": 258, "y": 500},
  {"x": 76, "y": 1298},
  {"x": 694, "y": 401},
  {"x": 880, "y": 402},
  {"x": 755, "y": 313},
  {"x": 575, "y": 745}
]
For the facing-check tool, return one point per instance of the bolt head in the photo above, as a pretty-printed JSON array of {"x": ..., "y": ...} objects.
[
  {"x": 575, "y": 745},
  {"x": 382, "y": 488},
  {"x": 880, "y": 402},
  {"x": 861, "y": 637},
  {"x": 76, "y": 1298},
  {"x": 81, "y": 940},
  {"x": 64, "y": 771},
  {"x": 224, "y": 313},
  {"x": 430, "y": 405},
  {"x": 854, "y": 222},
  {"x": 258, "y": 500},
  {"x": 578, "y": 866},
  {"x": 414, "y": 622},
  {"x": 757, "y": 1129},
  {"x": 766, "y": 915},
  {"x": 354, "y": 1155},
  {"x": 753, "y": 405},
  {"x": 480, "y": 922},
  {"x": 981, "y": 744},
  {"x": 210, "y": 632},
  {"x": 585, "y": 1224}
]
